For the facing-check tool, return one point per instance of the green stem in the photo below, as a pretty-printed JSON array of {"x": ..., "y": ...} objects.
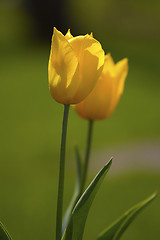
[
  {"x": 87, "y": 155},
  {"x": 61, "y": 175}
]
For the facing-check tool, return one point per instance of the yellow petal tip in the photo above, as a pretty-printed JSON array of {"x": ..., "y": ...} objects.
[
  {"x": 68, "y": 35},
  {"x": 91, "y": 34}
]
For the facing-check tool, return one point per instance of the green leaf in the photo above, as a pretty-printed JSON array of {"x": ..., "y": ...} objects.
[
  {"x": 76, "y": 191},
  {"x": 115, "y": 231},
  {"x": 4, "y": 235},
  {"x": 79, "y": 215}
]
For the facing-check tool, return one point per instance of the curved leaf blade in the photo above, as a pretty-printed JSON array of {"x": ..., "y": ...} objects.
[
  {"x": 115, "y": 230},
  {"x": 79, "y": 215},
  {"x": 4, "y": 235},
  {"x": 76, "y": 191}
]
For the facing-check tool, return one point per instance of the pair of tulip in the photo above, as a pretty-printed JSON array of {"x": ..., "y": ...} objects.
[{"x": 80, "y": 74}]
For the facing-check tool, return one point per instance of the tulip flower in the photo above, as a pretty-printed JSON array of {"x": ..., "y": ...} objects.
[
  {"x": 101, "y": 102},
  {"x": 75, "y": 65}
]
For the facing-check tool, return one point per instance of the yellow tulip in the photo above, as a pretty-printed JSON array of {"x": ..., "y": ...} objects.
[
  {"x": 75, "y": 65},
  {"x": 101, "y": 102}
]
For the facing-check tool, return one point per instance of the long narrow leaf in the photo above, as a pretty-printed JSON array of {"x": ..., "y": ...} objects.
[
  {"x": 76, "y": 191},
  {"x": 4, "y": 235},
  {"x": 79, "y": 215},
  {"x": 115, "y": 231}
]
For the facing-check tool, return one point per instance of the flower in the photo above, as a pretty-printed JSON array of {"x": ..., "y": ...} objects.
[
  {"x": 102, "y": 101},
  {"x": 75, "y": 65}
]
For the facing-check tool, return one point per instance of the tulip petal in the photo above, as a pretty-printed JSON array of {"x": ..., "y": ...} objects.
[
  {"x": 63, "y": 68},
  {"x": 100, "y": 99},
  {"x": 91, "y": 59},
  {"x": 121, "y": 71},
  {"x": 103, "y": 99},
  {"x": 68, "y": 35},
  {"x": 109, "y": 65}
]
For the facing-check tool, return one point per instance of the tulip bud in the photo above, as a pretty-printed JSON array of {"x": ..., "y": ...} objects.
[
  {"x": 101, "y": 102},
  {"x": 75, "y": 65}
]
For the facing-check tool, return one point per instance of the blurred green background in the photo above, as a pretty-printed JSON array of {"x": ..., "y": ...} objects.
[{"x": 31, "y": 120}]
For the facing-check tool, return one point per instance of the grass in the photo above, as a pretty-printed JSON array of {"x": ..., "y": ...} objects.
[
  {"x": 116, "y": 196},
  {"x": 28, "y": 200}
]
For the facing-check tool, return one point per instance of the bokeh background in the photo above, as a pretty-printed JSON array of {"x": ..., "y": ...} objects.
[{"x": 30, "y": 120}]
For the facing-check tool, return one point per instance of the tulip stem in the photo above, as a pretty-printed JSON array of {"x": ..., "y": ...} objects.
[
  {"x": 87, "y": 155},
  {"x": 61, "y": 174}
]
